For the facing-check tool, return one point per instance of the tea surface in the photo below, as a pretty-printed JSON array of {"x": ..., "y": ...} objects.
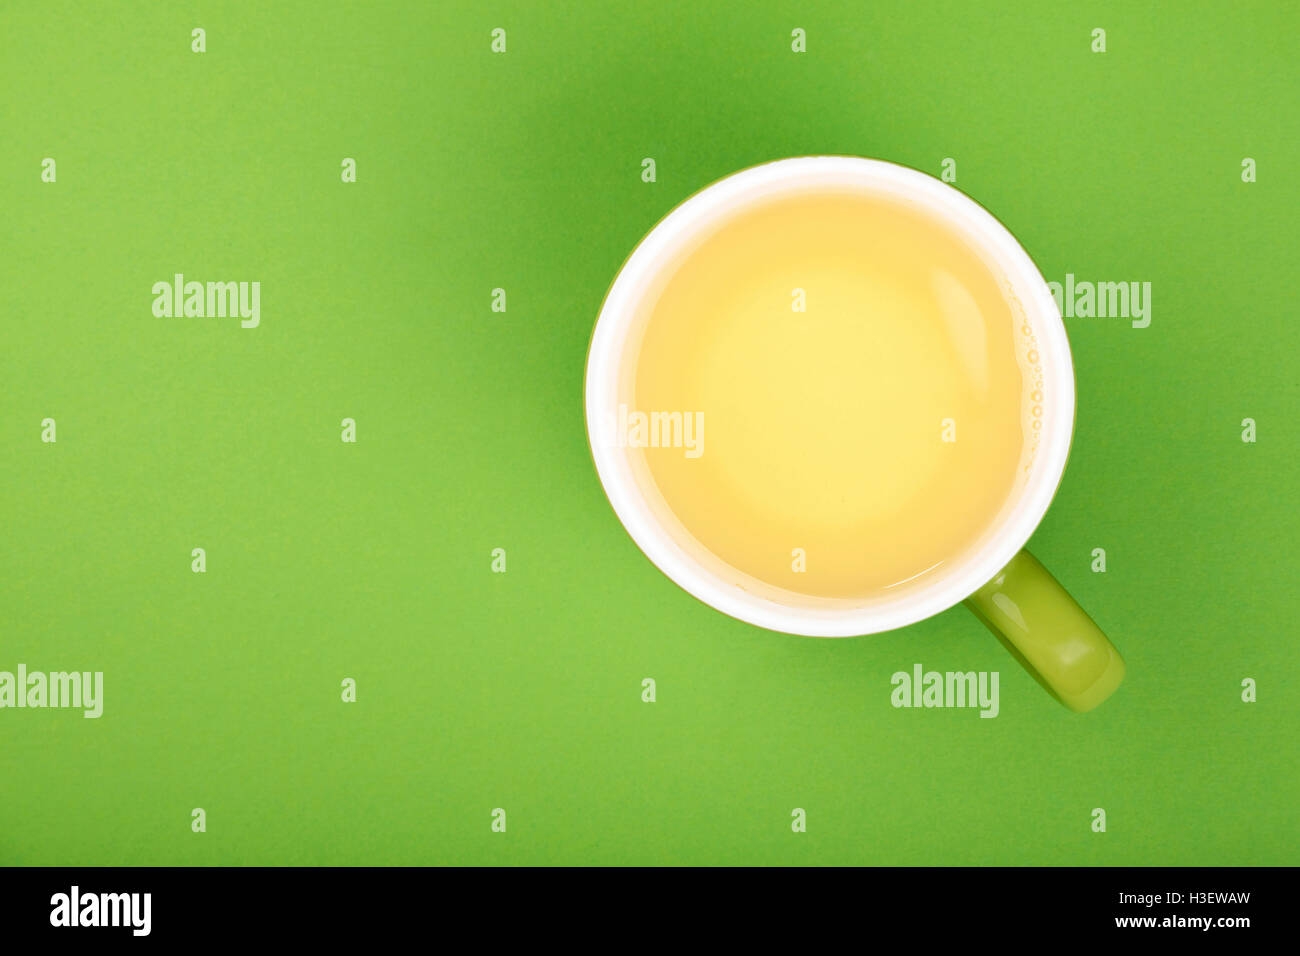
[{"x": 857, "y": 376}]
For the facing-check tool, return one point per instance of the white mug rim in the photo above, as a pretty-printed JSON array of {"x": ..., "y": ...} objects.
[{"x": 739, "y": 188}]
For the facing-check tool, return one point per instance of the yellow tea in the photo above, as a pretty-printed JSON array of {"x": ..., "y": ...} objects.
[{"x": 835, "y": 393}]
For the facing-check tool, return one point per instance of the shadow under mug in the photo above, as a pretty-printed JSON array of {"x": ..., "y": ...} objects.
[{"x": 1004, "y": 585}]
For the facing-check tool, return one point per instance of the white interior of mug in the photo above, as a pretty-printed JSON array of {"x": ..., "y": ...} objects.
[{"x": 651, "y": 522}]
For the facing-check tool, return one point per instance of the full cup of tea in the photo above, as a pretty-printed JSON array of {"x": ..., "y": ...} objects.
[{"x": 833, "y": 396}]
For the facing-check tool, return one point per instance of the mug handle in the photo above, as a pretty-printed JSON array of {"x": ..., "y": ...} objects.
[{"x": 1047, "y": 631}]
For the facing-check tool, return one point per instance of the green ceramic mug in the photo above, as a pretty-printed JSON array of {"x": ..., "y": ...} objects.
[{"x": 1003, "y": 584}]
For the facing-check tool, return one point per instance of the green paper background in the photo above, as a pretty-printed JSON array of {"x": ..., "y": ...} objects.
[{"x": 478, "y": 690}]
